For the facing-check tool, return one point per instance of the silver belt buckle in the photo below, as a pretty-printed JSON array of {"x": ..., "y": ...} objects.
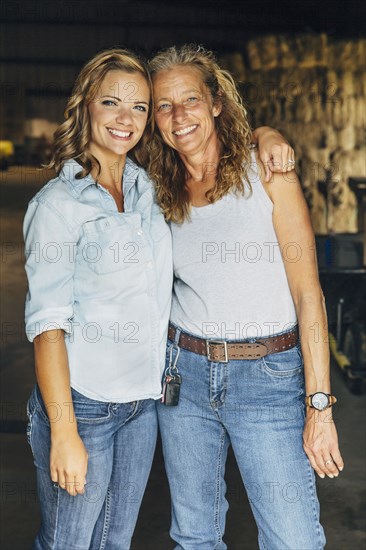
[{"x": 217, "y": 342}]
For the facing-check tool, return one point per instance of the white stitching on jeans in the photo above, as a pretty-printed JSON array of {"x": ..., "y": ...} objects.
[
  {"x": 57, "y": 511},
  {"x": 218, "y": 490},
  {"x": 312, "y": 487},
  {"x": 106, "y": 519}
]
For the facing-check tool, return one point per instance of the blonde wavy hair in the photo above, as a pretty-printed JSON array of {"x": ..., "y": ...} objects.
[
  {"x": 232, "y": 127},
  {"x": 72, "y": 137}
]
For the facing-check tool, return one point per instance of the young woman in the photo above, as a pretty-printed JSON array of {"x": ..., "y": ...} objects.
[
  {"x": 245, "y": 276},
  {"x": 99, "y": 271},
  {"x": 99, "y": 268}
]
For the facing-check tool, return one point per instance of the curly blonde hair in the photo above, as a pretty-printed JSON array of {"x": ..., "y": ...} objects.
[
  {"x": 232, "y": 127},
  {"x": 72, "y": 137}
]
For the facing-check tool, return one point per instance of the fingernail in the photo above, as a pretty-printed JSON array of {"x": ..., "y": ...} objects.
[
  {"x": 340, "y": 469},
  {"x": 336, "y": 475},
  {"x": 322, "y": 476},
  {"x": 331, "y": 475}
]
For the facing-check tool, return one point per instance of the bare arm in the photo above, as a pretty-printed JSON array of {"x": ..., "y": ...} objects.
[
  {"x": 292, "y": 224},
  {"x": 68, "y": 456}
]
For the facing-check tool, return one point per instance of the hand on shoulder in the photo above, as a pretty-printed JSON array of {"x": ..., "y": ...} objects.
[{"x": 280, "y": 185}]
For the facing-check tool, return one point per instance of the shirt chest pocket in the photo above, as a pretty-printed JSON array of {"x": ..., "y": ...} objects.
[{"x": 110, "y": 245}]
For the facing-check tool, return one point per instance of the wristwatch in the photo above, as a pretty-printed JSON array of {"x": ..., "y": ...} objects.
[{"x": 320, "y": 400}]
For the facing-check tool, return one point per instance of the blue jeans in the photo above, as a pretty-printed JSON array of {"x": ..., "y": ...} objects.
[
  {"x": 120, "y": 440},
  {"x": 257, "y": 406}
]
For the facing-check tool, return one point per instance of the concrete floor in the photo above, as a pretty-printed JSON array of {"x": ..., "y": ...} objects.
[{"x": 343, "y": 500}]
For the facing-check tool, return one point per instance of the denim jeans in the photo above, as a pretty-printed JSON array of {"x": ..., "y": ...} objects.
[
  {"x": 257, "y": 406},
  {"x": 120, "y": 440}
]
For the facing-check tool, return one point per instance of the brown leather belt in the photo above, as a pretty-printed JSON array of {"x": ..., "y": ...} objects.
[{"x": 220, "y": 351}]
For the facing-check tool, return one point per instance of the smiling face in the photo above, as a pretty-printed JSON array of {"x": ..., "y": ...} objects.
[
  {"x": 184, "y": 111},
  {"x": 118, "y": 114}
]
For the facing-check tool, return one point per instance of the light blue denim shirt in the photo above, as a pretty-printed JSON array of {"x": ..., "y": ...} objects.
[{"x": 103, "y": 277}]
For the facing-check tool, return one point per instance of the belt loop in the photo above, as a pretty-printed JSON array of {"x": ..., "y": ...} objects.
[
  {"x": 172, "y": 366},
  {"x": 178, "y": 330}
]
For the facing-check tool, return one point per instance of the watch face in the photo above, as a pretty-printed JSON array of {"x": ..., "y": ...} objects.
[{"x": 320, "y": 401}]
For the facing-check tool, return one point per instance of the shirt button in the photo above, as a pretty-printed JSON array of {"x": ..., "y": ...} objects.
[
  {"x": 149, "y": 265},
  {"x": 139, "y": 232}
]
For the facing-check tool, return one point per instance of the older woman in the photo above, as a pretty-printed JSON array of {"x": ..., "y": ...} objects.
[{"x": 246, "y": 284}]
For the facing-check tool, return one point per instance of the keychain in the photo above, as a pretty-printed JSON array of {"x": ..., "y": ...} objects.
[{"x": 172, "y": 380}]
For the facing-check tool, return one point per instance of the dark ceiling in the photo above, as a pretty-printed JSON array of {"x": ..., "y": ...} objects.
[{"x": 336, "y": 17}]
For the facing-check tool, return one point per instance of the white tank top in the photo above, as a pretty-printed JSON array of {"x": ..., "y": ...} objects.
[{"x": 230, "y": 280}]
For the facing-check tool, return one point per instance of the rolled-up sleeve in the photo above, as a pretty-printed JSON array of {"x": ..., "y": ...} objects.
[{"x": 50, "y": 266}]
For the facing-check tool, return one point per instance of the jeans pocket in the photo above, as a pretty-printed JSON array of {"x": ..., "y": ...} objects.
[
  {"x": 89, "y": 411},
  {"x": 284, "y": 363}
]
